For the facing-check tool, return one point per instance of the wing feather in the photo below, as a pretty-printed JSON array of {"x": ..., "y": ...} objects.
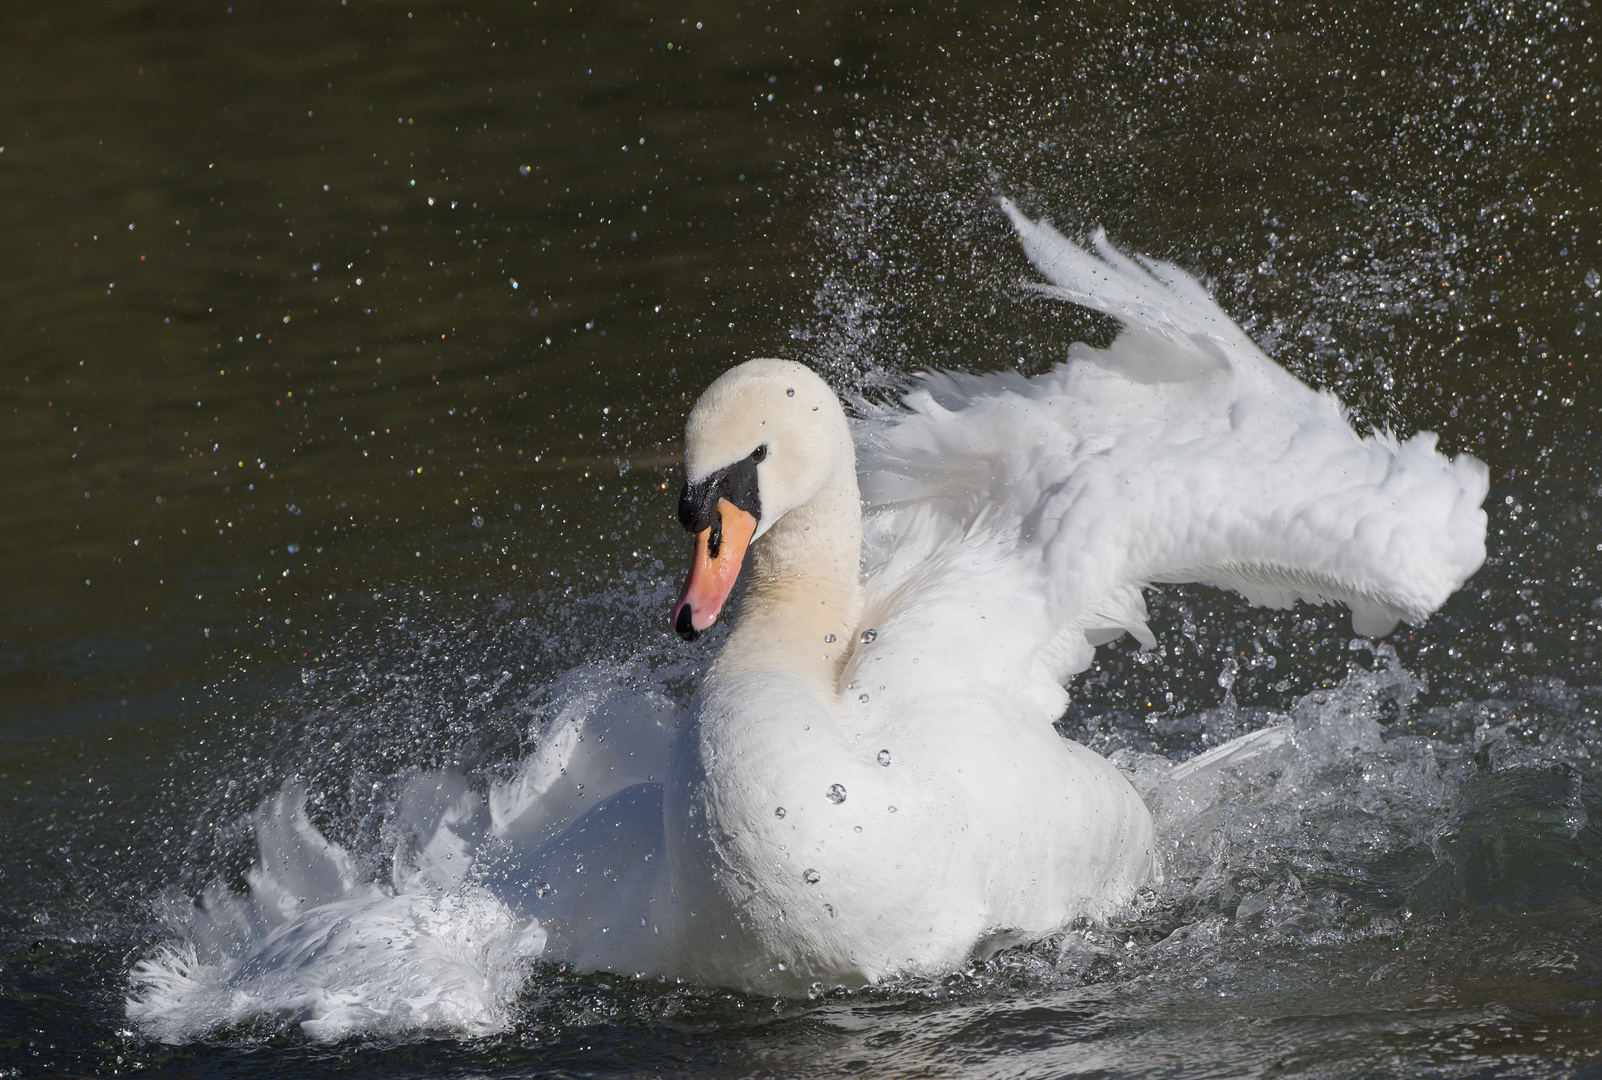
[{"x": 1180, "y": 453}]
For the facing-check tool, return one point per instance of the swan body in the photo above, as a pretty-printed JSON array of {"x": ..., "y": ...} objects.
[
  {"x": 927, "y": 800},
  {"x": 867, "y": 782}
]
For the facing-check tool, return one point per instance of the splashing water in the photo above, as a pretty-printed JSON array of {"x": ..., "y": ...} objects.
[{"x": 1353, "y": 823}]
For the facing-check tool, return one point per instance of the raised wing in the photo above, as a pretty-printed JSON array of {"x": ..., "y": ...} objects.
[{"x": 1179, "y": 453}]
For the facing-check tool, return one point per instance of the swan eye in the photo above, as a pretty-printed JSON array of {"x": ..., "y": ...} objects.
[{"x": 759, "y": 453}]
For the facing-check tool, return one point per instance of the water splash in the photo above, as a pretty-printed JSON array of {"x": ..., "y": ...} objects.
[{"x": 1355, "y": 821}]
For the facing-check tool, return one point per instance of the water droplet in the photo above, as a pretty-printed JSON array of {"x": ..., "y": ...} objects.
[
  {"x": 828, "y": 639},
  {"x": 1593, "y": 279},
  {"x": 783, "y": 966},
  {"x": 1226, "y": 677},
  {"x": 790, "y": 392},
  {"x": 857, "y": 829},
  {"x": 830, "y": 909},
  {"x": 862, "y": 698},
  {"x": 836, "y": 793},
  {"x": 779, "y": 812},
  {"x": 884, "y": 758},
  {"x": 543, "y": 889},
  {"x": 892, "y": 809},
  {"x": 869, "y": 636},
  {"x": 478, "y": 521},
  {"x": 810, "y": 876},
  {"x": 815, "y": 991}
]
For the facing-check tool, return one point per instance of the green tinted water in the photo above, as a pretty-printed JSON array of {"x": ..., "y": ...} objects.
[{"x": 343, "y": 356}]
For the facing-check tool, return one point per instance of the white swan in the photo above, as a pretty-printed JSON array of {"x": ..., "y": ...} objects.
[
  {"x": 1011, "y": 525},
  {"x": 842, "y": 810},
  {"x": 868, "y": 782}
]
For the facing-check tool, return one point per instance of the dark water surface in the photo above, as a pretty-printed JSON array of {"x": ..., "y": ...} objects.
[{"x": 344, "y": 351}]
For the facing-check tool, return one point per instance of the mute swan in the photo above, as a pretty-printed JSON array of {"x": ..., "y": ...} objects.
[
  {"x": 896, "y": 698},
  {"x": 867, "y": 782}
]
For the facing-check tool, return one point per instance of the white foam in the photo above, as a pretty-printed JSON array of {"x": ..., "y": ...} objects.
[
  {"x": 373, "y": 961},
  {"x": 445, "y": 945}
]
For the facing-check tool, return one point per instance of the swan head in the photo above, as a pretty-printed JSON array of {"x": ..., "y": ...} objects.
[{"x": 762, "y": 440}]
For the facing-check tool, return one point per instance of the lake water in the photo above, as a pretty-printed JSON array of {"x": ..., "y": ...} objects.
[{"x": 346, "y": 351}]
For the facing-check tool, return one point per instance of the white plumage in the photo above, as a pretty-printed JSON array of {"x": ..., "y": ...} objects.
[
  {"x": 868, "y": 783},
  {"x": 1180, "y": 453}
]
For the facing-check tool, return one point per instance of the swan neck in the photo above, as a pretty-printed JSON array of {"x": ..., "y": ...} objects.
[{"x": 805, "y": 588}]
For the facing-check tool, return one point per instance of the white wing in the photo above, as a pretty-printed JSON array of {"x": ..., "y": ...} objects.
[{"x": 1180, "y": 453}]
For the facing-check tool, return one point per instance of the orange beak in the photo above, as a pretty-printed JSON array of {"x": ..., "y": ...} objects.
[{"x": 719, "y": 551}]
